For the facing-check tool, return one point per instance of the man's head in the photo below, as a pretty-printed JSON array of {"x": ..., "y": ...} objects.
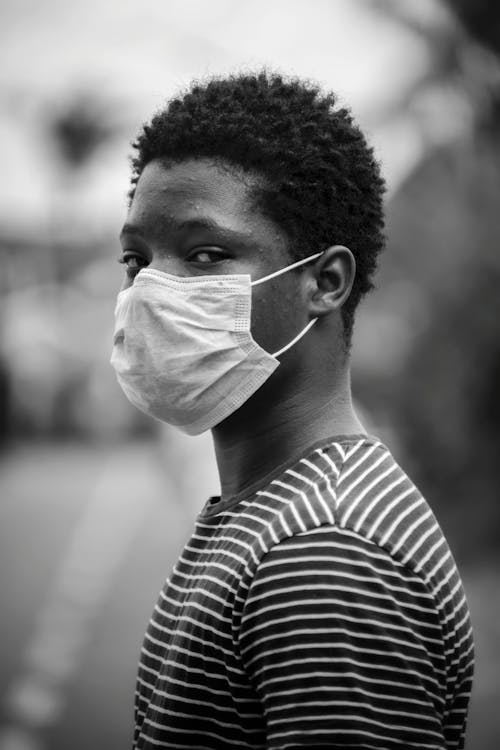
[{"x": 307, "y": 166}]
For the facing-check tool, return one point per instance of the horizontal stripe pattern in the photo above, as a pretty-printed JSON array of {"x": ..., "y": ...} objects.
[{"x": 323, "y": 610}]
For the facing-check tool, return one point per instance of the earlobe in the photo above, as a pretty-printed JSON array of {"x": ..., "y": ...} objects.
[{"x": 334, "y": 274}]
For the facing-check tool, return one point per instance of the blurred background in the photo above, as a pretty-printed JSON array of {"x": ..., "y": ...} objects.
[{"x": 96, "y": 500}]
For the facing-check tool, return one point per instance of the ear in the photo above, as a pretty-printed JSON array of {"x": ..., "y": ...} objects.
[{"x": 332, "y": 277}]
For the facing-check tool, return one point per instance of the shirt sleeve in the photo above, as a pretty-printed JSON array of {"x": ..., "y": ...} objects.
[{"x": 343, "y": 647}]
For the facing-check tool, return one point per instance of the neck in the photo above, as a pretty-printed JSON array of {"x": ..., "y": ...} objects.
[{"x": 268, "y": 431}]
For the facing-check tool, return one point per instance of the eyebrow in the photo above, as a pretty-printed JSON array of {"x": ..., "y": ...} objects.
[
  {"x": 202, "y": 223},
  {"x": 197, "y": 223}
]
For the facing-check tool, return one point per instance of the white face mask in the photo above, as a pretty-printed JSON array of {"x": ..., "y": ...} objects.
[{"x": 183, "y": 351}]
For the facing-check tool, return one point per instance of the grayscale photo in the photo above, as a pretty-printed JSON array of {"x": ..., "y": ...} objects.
[{"x": 249, "y": 367}]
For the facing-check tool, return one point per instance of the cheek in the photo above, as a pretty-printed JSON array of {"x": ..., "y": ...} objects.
[{"x": 277, "y": 314}]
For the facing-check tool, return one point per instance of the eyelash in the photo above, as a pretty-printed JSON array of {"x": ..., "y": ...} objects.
[
  {"x": 128, "y": 256},
  {"x": 141, "y": 262}
]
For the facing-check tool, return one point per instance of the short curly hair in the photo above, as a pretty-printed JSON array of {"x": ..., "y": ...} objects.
[{"x": 321, "y": 183}]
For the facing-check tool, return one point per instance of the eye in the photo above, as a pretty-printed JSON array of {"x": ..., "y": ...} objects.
[
  {"x": 133, "y": 263},
  {"x": 207, "y": 255}
]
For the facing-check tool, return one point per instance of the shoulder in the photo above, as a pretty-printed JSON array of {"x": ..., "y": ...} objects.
[
  {"x": 351, "y": 500},
  {"x": 356, "y": 485}
]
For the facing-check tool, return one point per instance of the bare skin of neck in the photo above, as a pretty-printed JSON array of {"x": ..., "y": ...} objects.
[{"x": 271, "y": 429}]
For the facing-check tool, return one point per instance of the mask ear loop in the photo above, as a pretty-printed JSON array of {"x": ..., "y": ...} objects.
[
  {"x": 278, "y": 273},
  {"x": 297, "y": 338},
  {"x": 288, "y": 268}
]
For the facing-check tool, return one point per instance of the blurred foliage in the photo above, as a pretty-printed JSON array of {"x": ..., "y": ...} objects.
[
  {"x": 441, "y": 399},
  {"x": 481, "y": 18},
  {"x": 79, "y": 129},
  {"x": 57, "y": 292},
  {"x": 441, "y": 280}
]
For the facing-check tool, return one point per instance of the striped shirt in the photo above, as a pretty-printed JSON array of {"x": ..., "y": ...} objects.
[{"x": 322, "y": 608}]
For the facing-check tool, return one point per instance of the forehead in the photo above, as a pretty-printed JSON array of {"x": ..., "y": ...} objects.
[{"x": 192, "y": 188}]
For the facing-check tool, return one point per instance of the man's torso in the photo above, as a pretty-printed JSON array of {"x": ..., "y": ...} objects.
[{"x": 325, "y": 605}]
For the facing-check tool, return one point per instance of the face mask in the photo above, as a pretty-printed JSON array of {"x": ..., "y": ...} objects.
[{"x": 183, "y": 351}]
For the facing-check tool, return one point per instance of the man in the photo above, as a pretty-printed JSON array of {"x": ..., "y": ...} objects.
[{"x": 317, "y": 603}]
